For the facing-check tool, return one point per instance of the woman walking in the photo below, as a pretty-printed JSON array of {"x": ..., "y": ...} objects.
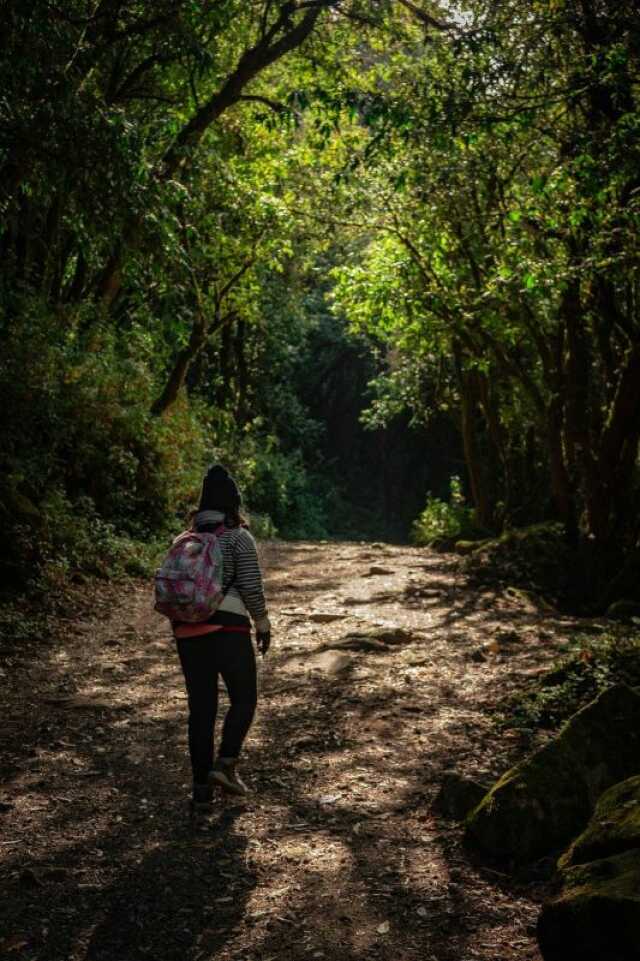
[{"x": 222, "y": 644}]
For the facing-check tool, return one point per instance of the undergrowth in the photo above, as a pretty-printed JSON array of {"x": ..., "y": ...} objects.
[
  {"x": 444, "y": 522},
  {"x": 589, "y": 666},
  {"x": 536, "y": 558},
  {"x": 92, "y": 484}
]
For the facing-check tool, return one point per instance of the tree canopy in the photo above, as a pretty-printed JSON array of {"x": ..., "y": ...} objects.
[{"x": 353, "y": 248}]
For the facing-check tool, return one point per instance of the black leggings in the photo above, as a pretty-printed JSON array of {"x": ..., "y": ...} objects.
[{"x": 203, "y": 659}]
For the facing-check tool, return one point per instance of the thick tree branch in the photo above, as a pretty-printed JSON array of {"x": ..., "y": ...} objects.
[
  {"x": 250, "y": 65},
  {"x": 233, "y": 280},
  {"x": 252, "y": 62},
  {"x": 625, "y": 410}
]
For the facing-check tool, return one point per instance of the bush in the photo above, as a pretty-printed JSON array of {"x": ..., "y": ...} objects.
[
  {"x": 90, "y": 481},
  {"x": 281, "y": 487},
  {"x": 88, "y": 477},
  {"x": 446, "y": 521},
  {"x": 279, "y": 494}
]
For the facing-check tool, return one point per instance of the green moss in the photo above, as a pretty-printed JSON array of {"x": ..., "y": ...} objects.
[
  {"x": 597, "y": 916},
  {"x": 617, "y": 876},
  {"x": 592, "y": 664},
  {"x": 614, "y": 827},
  {"x": 545, "y": 800},
  {"x": 467, "y": 547}
]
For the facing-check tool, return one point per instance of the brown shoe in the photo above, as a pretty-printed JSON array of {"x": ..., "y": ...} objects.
[{"x": 226, "y": 775}]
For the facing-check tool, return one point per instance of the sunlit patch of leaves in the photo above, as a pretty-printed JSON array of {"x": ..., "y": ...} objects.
[{"x": 448, "y": 520}]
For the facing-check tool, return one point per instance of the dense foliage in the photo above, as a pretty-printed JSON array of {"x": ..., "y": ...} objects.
[
  {"x": 230, "y": 228},
  {"x": 502, "y": 206}
]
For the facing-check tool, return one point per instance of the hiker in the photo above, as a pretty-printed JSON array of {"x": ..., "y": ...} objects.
[{"x": 222, "y": 644}]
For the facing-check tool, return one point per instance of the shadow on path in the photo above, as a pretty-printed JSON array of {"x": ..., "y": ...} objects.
[{"x": 184, "y": 899}]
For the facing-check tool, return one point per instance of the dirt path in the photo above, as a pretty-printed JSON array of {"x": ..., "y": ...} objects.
[{"x": 337, "y": 854}]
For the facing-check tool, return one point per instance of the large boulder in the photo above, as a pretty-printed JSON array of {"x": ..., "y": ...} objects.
[
  {"x": 546, "y": 800},
  {"x": 598, "y": 913},
  {"x": 467, "y": 547},
  {"x": 623, "y": 610},
  {"x": 597, "y": 916},
  {"x": 458, "y": 795},
  {"x": 614, "y": 827}
]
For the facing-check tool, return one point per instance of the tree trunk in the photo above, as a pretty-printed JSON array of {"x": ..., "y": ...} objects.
[
  {"x": 469, "y": 409},
  {"x": 561, "y": 487},
  {"x": 175, "y": 381},
  {"x": 617, "y": 456},
  {"x": 223, "y": 393},
  {"x": 497, "y": 487},
  {"x": 242, "y": 372}
]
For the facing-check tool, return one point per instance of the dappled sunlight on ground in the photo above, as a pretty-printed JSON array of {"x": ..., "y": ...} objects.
[{"x": 379, "y": 682}]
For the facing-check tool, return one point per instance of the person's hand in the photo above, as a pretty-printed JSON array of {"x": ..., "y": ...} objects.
[
  {"x": 263, "y": 634},
  {"x": 264, "y": 640}
]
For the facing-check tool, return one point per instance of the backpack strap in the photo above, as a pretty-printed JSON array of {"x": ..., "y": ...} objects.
[
  {"x": 221, "y": 527},
  {"x": 177, "y": 544}
]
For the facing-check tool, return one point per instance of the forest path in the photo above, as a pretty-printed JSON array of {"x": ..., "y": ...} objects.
[{"x": 337, "y": 854}]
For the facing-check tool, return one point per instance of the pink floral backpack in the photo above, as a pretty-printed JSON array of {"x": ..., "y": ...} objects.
[{"x": 188, "y": 585}]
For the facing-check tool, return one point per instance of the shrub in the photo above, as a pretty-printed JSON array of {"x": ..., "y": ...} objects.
[
  {"x": 445, "y": 520},
  {"x": 90, "y": 480},
  {"x": 88, "y": 476}
]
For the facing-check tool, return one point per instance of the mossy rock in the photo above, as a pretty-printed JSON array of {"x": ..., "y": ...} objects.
[
  {"x": 465, "y": 547},
  {"x": 458, "y": 795},
  {"x": 546, "y": 800},
  {"x": 536, "y": 558},
  {"x": 614, "y": 827},
  {"x": 597, "y": 916},
  {"x": 623, "y": 610},
  {"x": 469, "y": 547},
  {"x": 530, "y": 599}
]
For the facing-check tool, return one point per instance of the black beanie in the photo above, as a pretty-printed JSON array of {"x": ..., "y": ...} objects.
[{"x": 219, "y": 491}]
